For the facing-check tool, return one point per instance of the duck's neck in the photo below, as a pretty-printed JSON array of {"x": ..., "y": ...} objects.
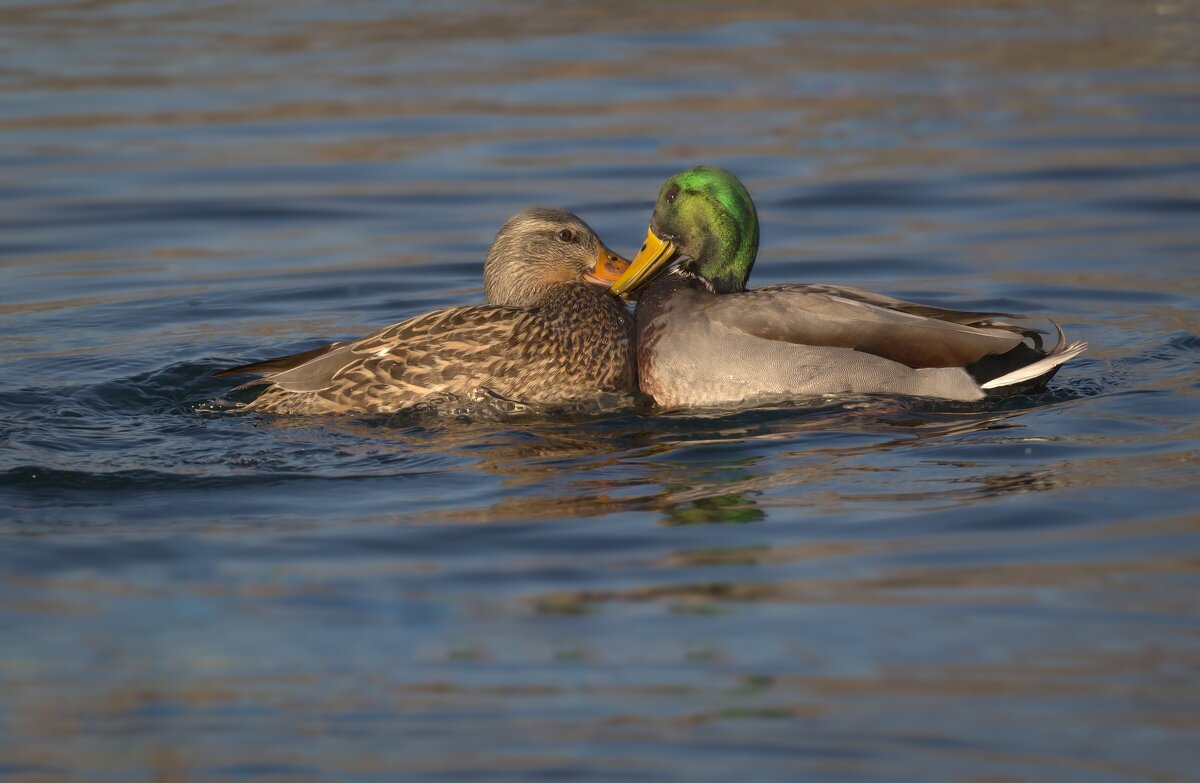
[
  {"x": 659, "y": 292},
  {"x": 727, "y": 250}
]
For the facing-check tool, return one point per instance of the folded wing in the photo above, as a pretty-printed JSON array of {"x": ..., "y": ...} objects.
[
  {"x": 915, "y": 335},
  {"x": 442, "y": 350}
]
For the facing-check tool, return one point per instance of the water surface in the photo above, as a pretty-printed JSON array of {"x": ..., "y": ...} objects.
[{"x": 864, "y": 590}]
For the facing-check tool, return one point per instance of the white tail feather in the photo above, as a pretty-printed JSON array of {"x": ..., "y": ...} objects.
[{"x": 1061, "y": 354}]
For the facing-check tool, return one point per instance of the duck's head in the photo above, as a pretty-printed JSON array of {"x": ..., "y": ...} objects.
[
  {"x": 706, "y": 223},
  {"x": 540, "y": 248}
]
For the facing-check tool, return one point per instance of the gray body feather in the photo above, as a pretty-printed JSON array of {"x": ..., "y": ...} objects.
[{"x": 699, "y": 348}]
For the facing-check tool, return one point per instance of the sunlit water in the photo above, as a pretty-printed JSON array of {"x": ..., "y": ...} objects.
[{"x": 865, "y": 590}]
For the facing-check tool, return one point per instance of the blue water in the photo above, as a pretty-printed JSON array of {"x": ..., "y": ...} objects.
[{"x": 871, "y": 590}]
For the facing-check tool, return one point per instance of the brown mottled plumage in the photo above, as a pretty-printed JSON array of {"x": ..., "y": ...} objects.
[{"x": 550, "y": 335}]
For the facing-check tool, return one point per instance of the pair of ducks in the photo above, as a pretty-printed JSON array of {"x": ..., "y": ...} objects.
[{"x": 555, "y": 331}]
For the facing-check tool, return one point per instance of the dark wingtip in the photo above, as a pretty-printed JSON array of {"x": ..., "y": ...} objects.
[
  {"x": 240, "y": 370},
  {"x": 277, "y": 364}
]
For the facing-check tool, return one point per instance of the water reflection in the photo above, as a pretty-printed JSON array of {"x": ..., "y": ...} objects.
[
  {"x": 690, "y": 469},
  {"x": 913, "y": 572}
]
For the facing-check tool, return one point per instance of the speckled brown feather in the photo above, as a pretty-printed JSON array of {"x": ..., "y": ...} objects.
[
  {"x": 547, "y": 337},
  {"x": 576, "y": 343}
]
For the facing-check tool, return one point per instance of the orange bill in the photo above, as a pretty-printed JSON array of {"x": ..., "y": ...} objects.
[{"x": 609, "y": 267}]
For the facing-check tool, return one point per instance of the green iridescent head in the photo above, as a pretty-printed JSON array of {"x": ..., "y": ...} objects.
[{"x": 705, "y": 217}]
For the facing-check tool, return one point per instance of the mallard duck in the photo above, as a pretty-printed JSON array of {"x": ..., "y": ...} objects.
[
  {"x": 551, "y": 334},
  {"x": 703, "y": 339}
]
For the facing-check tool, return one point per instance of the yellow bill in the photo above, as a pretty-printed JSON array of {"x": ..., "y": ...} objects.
[
  {"x": 609, "y": 267},
  {"x": 654, "y": 253}
]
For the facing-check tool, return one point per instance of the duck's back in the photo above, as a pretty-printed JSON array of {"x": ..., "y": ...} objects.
[{"x": 576, "y": 343}]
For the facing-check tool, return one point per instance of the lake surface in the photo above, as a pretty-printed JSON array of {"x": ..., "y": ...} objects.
[{"x": 866, "y": 590}]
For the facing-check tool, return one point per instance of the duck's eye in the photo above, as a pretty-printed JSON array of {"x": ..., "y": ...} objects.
[
  {"x": 566, "y": 235},
  {"x": 671, "y": 193}
]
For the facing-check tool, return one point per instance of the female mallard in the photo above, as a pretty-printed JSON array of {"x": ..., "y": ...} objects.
[
  {"x": 550, "y": 334},
  {"x": 703, "y": 339}
]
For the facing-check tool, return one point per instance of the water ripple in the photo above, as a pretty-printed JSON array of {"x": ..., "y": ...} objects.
[{"x": 607, "y": 591}]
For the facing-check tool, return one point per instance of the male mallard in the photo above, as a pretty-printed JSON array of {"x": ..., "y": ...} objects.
[
  {"x": 550, "y": 334},
  {"x": 703, "y": 339}
]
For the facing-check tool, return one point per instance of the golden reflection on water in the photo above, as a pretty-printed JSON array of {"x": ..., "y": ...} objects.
[
  {"x": 959, "y": 586},
  {"x": 529, "y": 455}
]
